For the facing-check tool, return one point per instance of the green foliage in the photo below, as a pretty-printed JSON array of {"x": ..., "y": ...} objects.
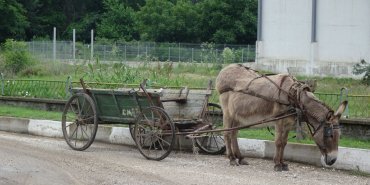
[
  {"x": 156, "y": 20},
  {"x": 230, "y": 21},
  {"x": 209, "y": 53},
  {"x": 62, "y": 14},
  {"x": 13, "y": 20},
  {"x": 228, "y": 55},
  {"x": 16, "y": 56},
  {"x": 218, "y": 21},
  {"x": 117, "y": 22},
  {"x": 363, "y": 68}
]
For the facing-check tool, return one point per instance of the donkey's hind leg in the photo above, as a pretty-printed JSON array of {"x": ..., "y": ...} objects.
[
  {"x": 228, "y": 139},
  {"x": 235, "y": 148},
  {"x": 229, "y": 150}
]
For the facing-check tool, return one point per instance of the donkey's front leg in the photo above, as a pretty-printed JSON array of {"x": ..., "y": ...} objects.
[
  {"x": 284, "y": 141},
  {"x": 281, "y": 139}
]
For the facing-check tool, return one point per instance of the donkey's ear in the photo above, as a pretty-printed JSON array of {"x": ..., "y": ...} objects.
[{"x": 341, "y": 109}]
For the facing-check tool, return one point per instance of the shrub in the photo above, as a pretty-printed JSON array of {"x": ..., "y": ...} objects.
[
  {"x": 16, "y": 56},
  {"x": 361, "y": 68},
  {"x": 228, "y": 55}
]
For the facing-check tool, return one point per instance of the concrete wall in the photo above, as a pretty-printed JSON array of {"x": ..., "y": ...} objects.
[{"x": 342, "y": 36}]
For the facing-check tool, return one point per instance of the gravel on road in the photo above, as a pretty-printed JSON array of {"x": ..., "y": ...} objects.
[{"x": 29, "y": 159}]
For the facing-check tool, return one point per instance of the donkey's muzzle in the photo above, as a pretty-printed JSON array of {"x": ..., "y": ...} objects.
[{"x": 329, "y": 159}]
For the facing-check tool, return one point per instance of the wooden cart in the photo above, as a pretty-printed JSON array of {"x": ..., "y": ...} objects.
[{"x": 154, "y": 117}]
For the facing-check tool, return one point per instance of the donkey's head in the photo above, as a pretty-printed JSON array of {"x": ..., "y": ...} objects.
[{"x": 324, "y": 123}]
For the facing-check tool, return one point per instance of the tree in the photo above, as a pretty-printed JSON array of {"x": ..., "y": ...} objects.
[
  {"x": 43, "y": 15},
  {"x": 117, "y": 22},
  {"x": 156, "y": 21},
  {"x": 228, "y": 21},
  {"x": 168, "y": 21},
  {"x": 13, "y": 20},
  {"x": 186, "y": 16},
  {"x": 362, "y": 68}
]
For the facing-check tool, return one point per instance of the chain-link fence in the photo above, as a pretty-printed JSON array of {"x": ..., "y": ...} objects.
[{"x": 144, "y": 51}]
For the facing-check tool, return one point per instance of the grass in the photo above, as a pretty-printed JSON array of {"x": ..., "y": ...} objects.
[{"x": 22, "y": 112}]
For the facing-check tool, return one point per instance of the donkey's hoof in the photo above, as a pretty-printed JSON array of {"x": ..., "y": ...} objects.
[
  {"x": 243, "y": 162},
  {"x": 233, "y": 163},
  {"x": 285, "y": 167},
  {"x": 278, "y": 168}
]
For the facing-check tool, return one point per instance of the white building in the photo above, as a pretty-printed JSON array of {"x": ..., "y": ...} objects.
[{"x": 320, "y": 37}]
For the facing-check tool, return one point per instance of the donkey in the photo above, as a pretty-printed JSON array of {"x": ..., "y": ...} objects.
[{"x": 247, "y": 97}]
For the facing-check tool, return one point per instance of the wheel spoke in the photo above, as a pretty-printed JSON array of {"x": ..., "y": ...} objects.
[
  {"x": 163, "y": 140},
  {"x": 76, "y": 135},
  {"x": 89, "y": 118},
  {"x": 73, "y": 133}
]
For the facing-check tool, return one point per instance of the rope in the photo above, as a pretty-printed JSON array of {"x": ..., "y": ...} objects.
[{"x": 273, "y": 118}]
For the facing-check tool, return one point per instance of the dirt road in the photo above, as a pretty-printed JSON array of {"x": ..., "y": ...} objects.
[{"x": 28, "y": 159}]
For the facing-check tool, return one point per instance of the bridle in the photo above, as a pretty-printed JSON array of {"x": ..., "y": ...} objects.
[{"x": 328, "y": 127}]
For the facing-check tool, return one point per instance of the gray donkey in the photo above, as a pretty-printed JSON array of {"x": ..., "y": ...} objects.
[{"x": 247, "y": 97}]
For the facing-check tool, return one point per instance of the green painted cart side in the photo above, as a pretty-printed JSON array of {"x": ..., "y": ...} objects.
[{"x": 120, "y": 106}]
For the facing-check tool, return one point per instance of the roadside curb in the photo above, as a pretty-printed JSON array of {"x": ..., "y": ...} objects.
[{"x": 348, "y": 158}]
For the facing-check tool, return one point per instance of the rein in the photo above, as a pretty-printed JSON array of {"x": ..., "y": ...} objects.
[{"x": 284, "y": 114}]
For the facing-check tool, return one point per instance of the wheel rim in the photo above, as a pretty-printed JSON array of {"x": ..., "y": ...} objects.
[
  {"x": 212, "y": 142},
  {"x": 79, "y": 122},
  {"x": 154, "y": 134}
]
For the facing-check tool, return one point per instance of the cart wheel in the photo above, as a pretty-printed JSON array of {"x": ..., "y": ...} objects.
[
  {"x": 79, "y": 121},
  {"x": 212, "y": 142},
  {"x": 154, "y": 133}
]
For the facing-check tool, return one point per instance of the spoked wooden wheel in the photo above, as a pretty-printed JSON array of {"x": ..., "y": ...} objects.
[
  {"x": 154, "y": 133},
  {"x": 79, "y": 121},
  {"x": 212, "y": 142}
]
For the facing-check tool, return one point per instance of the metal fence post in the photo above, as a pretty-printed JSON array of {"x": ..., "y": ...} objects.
[
  {"x": 179, "y": 53},
  {"x": 169, "y": 53},
  {"x": 125, "y": 53},
  {"x": 146, "y": 53},
  {"x": 68, "y": 86},
  {"x": 215, "y": 56},
  {"x": 92, "y": 46},
  {"x": 248, "y": 52},
  {"x": 242, "y": 55},
  {"x": 344, "y": 96},
  {"x": 2, "y": 84},
  {"x": 192, "y": 54},
  {"x": 138, "y": 50},
  {"x": 104, "y": 50},
  {"x": 54, "y": 44}
]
